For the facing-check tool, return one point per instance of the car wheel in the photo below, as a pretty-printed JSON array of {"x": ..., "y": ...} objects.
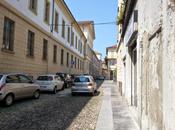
[
  {"x": 93, "y": 93},
  {"x": 73, "y": 94},
  {"x": 9, "y": 100},
  {"x": 62, "y": 87},
  {"x": 55, "y": 90},
  {"x": 36, "y": 94}
]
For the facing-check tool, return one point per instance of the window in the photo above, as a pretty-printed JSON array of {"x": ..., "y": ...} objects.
[
  {"x": 68, "y": 34},
  {"x": 79, "y": 42},
  {"x": 8, "y": 36},
  {"x": 76, "y": 44},
  {"x": 1, "y": 76},
  {"x": 78, "y": 64},
  {"x": 81, "y": 79},
  {"x": 56, "y": 21},
  {"x": 75, "y": 62},
  {"x": 24, "y": 79},
  {"x": 45, "y": 78},
  {"x": 72, "y": 61},
  {"x": 72, "y": 38},
  {"x": 30, "y": 43},
  {"x": 112, "y": 62},
  {"x": 12, "y": 79},
  {"x": 45, "y": 49},
  {"x": 67, "y": 59},
  {"x": 62, "y": 56},
  {"x": 54, "y": 53},
  {"x": 80, "y": 47},
  {"x": 63, "y": 28},
  {"x": 47, "y": 11},
  {"x": 33, "y": 5}
]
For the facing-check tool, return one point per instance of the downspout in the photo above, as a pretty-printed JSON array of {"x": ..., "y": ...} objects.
[
  {"x": 53, "y": 7},
  {"x": 51, "y": 30}
]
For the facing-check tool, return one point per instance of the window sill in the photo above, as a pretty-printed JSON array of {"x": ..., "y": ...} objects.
[
  {"x": 45, "y": 60},
  {"x": 56, "y": 30},
  {"x": 7, "y": 51},
  {"x": 33, "y": 11},
  {"x": 32, "y": 57},
  {"x": 46, "y": 22}
]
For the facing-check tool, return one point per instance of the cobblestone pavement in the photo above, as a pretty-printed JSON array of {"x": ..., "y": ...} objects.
[{"x": 53, "y": 112}]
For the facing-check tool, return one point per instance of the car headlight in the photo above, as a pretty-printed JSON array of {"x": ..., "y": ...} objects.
[{"x": 89, "y": 87}]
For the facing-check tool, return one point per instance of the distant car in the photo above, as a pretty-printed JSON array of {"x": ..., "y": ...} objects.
[
  {"x": 17, "y": 86},
  {"x": 63, "y": 77},
  {"x": 100, "y": 78},
  {"x": 50, "y": 83},
  {"x": 84, "y": 84}
]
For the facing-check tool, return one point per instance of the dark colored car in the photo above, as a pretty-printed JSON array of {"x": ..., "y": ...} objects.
[
  {"x": 64, "y": 77},
  {"x": 71, "y": 80},
  {"x": 100, "y": 78}
]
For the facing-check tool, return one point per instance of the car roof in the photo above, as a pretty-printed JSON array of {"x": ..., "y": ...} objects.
[
  {"x": 87, "y": 76},
  {"x": 6, "y": 74},
  {"x": 48, "y": 75}
]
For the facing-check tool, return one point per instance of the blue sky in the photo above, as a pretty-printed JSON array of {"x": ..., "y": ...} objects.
[{"x": 100, "y": 11}]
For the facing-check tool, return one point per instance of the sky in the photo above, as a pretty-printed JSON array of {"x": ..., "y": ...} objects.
[{"x": 99, "y": 11}]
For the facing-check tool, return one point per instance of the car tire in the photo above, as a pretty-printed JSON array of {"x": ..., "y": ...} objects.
[
  {"x": 73, "y": 94},
  {"x": 62, "y": 87},
  {"x": 8, "y": 101},
  {"x": 93, "y": 93},
  {"x": 54, "y": 90},
  {"x": 36, "y": 94}
]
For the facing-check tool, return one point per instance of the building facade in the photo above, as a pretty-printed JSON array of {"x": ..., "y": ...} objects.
[
  {"x": 146, "y": 51},
  {"x": 40, "y": 37},
  {"x": 91, "y": 61},
  {"x": 111, "y": 57},
  {"x": 105, "y": 71}
]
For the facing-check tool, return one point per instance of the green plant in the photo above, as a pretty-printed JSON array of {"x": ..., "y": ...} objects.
[{"x": 121, "y": 14}]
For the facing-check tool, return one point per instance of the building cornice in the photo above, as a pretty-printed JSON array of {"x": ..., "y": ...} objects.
[{"x": 74, "y": 22}]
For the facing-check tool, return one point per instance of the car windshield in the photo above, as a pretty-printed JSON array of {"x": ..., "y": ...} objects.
[
  {"x": 81, "y": 79},
  {"x": 1, "y": 76},
  {"x": 45, "y": 78}
]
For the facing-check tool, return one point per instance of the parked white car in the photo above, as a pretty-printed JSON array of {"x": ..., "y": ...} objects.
[{"x": 50, "y": 83}]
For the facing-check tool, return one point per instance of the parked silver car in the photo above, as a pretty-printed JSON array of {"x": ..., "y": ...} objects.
[
  {"x": 84, "y": 84},
  {"x": 50, "y": 83},
  {"x": 17, "y": 86}
]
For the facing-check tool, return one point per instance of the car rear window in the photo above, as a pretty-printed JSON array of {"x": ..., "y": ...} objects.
[
  {"x": 45, "y": 78},
  {"x": 1, "y": 76},
  {"x": 81, "y": 79}
]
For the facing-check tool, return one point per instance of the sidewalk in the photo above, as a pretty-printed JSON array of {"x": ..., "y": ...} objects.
[{"x": 114, "y": 113}]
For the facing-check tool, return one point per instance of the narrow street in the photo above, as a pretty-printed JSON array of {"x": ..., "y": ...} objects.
[
  {"x": 53, "y": 112},
  {"x": 105, "y": 111}
]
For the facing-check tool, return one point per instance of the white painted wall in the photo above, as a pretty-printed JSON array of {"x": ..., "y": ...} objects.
[
  {"x": 22, "y": 6},
  {"x": 168, "y": 64}
]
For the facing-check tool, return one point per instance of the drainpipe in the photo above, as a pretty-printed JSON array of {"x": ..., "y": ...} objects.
[{"x": 53, "y": 7}]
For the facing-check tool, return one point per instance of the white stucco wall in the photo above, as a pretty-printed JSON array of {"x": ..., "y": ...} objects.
[
  {"x": 168, "y": 64},
  {"x": 23, "y": 7}
]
